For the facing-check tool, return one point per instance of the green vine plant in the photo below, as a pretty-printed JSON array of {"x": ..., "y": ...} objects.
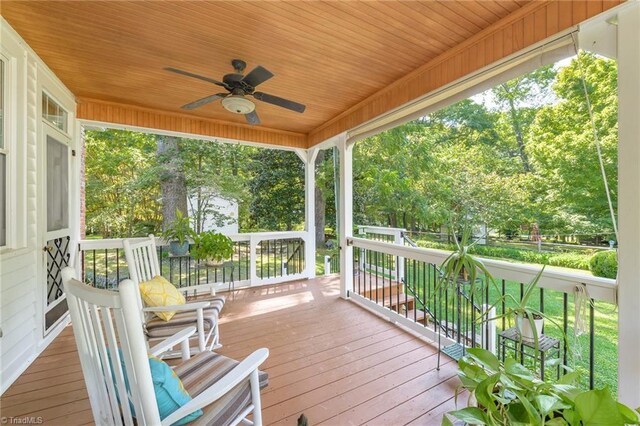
[
  {"x": 212, "y": 246},
  {"x": 507, "y": 393}
]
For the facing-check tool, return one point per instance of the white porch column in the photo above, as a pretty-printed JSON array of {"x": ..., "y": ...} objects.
[
  {"x": 309, "y": 159},
  {"x": 345, "y": 207},
  {"x": 629, "y": 205}
]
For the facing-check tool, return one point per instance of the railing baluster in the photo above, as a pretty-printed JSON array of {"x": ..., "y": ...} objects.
[
  {"x": 565, "y": 325},
  {"x": 591, "y": 343},
  {"x": 117, "y": 265},
  {"x": 504, "y": 324},
  {"x": 106, "y": 269}
]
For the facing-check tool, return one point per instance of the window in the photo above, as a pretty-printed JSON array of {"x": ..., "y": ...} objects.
[
  {"x": 54, "y": 113},
  {"x": 57, "y": 185},
  {"x": 3, "y": 161}
]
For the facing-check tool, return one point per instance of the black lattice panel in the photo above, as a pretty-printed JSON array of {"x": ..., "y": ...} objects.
[{"x": 57, "y": 258}]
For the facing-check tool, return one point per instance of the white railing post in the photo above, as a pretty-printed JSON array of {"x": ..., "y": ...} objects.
[
  {"x": 399, "y": 268},
  {"x": 345, "y": 207},
  {"x": 490, "y": 327},
  {"x": 629, "y": 205},
  {"x": 327, "y": 265},
  {"x": 253, "y": 260},
  {"x": 308, "y": 157}
]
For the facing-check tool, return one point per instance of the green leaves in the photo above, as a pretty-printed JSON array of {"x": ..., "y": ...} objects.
[
  {"x": 509, "y": 394},
  {"x": 597, "y": 407},
  {"x": 471, "y": 415},
  {"x": 211, "y": 245}
]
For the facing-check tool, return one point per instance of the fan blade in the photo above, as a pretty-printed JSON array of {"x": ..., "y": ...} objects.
[
  {"x": 252, "y": 118},
  {"x": 281, "y": 102},
  {"x": 204, "y": 101},
  {"x": 257, "y": 76},
  {"x": 200, "y": 77}
]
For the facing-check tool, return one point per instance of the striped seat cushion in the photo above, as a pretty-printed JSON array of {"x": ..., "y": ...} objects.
[
  {"x": 203, "y": 370},
  {"x": 158, "y": 328}
]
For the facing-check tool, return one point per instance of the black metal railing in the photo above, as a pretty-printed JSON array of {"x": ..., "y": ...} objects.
[
  {"x": 280, "y": 257},
  {"x": 334, "y": 263},
  {"x": 105, "y": 268},
  {"x": 274, "y": 258},
  {"x": 458, "y": 311}
]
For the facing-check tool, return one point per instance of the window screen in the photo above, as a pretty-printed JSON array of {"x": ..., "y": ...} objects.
[{"x": 57, "y": 185}]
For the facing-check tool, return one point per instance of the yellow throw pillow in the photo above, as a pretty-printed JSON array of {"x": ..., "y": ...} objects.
[{"x": 160, "y": 292}]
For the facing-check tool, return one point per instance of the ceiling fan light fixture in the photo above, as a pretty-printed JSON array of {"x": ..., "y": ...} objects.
[{"x": 238, "y": 104}]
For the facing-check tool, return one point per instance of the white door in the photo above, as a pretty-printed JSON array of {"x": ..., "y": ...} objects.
[{"x": 55, "y": 176}]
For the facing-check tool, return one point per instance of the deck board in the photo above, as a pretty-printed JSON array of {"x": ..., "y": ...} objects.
[{"x": 329, "y": 359}]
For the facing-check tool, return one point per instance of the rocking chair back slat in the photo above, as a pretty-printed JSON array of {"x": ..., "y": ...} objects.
[{"x": 108, "y": 333}]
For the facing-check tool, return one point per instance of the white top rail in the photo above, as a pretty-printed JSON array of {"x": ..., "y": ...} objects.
[
  {"x": 602, "y": 289},
  {"x": 383, "y": 230},
  {"x": 116, "y": 243}
]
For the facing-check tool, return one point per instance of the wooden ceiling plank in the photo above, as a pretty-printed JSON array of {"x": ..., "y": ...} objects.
[
  {"x": 313, "y": 17},
  {"x": 422, "y": 19},
  {"x": 450, "y": 16},
  {"x": 494, "y": 7},
  {"x": 394, "y": 26},
  {"x": 462, "y": 9},
  {"x": 446, "y": 19},
  {"x": 297, "y": 31}
]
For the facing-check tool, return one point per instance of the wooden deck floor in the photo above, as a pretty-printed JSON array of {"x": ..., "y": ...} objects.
[{"x": 329, "y": 359}]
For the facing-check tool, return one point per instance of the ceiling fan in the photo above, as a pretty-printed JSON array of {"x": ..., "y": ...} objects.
[{"x": 239, "y": 87}]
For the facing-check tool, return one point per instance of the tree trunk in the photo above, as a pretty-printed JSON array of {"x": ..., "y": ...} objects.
[
  {"x": 173, "y": 184},
  {"x": 320, "y": 206},
  {"x": 515, "y": 123}
]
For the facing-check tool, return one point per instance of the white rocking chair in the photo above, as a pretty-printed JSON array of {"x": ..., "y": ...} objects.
[
  {"x": 108, "y": 333},
  {"x": 142, "y": 261}
]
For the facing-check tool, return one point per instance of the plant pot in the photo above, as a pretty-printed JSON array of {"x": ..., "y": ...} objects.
[
  {"x": 214, "y": 263},
  {"x": 524, "y": 328},
  {"x": 178, "y": 249}
]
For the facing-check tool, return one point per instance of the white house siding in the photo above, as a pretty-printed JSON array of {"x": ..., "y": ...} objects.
[{"x": 21, "y": 273}]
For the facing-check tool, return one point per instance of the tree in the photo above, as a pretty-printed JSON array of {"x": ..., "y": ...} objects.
[
  {"x": 277, "y": 188},
  {"x": 521, "y": 97},
  {"x": 173, "y": 183},
  {"x": 563, "y": 148},
  {"x": 211, "y": 173},
  {"x": 320, "y": 213},
  {"x": 122, "y": 193}
]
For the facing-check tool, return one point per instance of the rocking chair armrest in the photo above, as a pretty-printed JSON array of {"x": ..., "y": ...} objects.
[
  {"x": 240, "y": 372},
  {"x": 171, "y": 341},
  {"x": 186, "y": 307}
]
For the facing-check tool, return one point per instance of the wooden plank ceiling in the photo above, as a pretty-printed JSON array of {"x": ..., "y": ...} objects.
[{"x": 331, "y": 56}]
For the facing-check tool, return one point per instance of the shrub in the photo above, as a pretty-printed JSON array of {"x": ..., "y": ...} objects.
[
  {"x": 566, "y": 260},
  {"x": 570, "y": 260},
  {"x": 604, "y": 264}
]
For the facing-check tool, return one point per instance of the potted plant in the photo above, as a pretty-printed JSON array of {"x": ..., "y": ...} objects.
[
  {"x": 212, "y": 247},
  {"x": 528, "y": 321},
  {"x": 461, "y": 265},
  {"x": 509, "y": 394},
  {"x": 177, "y": 233}
]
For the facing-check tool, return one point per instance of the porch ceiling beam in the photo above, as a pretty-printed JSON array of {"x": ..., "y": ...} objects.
[
  {"x": 523, "y": 28},
  {"x": 140, "y": 117}
]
